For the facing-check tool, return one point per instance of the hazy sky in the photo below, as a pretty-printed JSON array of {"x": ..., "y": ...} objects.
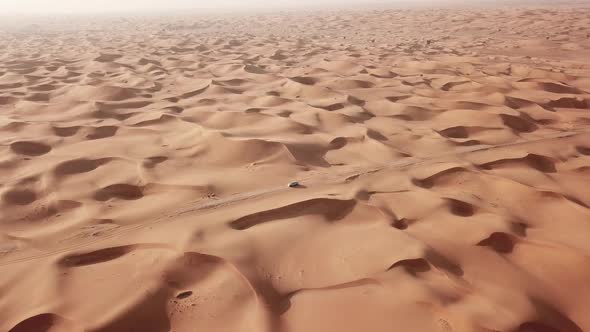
[
  {"x": 95, "y": 6},
  {"x": 109, "y": 6},
  {"x": 101, "y": 6}
]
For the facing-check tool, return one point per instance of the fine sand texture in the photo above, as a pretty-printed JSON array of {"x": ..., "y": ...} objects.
[{"x": 443, "y": 157}]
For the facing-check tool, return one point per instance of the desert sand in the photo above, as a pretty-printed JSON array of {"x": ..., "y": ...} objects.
[{"x": 443, "y": 157}]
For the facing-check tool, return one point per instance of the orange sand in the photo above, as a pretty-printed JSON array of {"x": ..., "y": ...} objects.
[{"x": 443, "y": 156}]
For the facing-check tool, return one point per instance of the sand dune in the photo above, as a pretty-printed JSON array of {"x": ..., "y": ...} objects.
[{"x": 443, "y": 157}]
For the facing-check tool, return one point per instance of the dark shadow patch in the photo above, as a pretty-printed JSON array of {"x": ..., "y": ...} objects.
[
  {"x": 66, "y": 131},
  {"x": 584, "y": 150},
  {"x": 103, "y": 132},
  {"x": 550, "y": 320},
  {"x": 193, "y": 93},
  {"x": 569, "y": 102},
  {"x": 284, "y": 113},
  {"x": 500, "y": 242},
  {"x": 32, "y": 149},
  {"x": 254, "y": 110},
  {"x": 576, "y": 200},
  {"x": 460, "y": 208},
  {"x": 207, "y": 102},
  {"x": 304, "y": 80},
  {"x": 519, "y": 228},
  {"x": 175, "y": 109},
  {"x": 19, "y": 197},
  {"x": 538, "y": 162},
  {"x": 161, "y": 119},
  {"x": 402, "y": 117},
  {"x": 151, "y": 162},
  {"x": 516, "y": 103},
  {"x": 94, "y": 257},
  {"x": 356, "y": 101},
  {"x": 559, "y": 88},
  {"x": 443, "y": 263},
  {"x": 536, "y": 327},
  {"x": 423, "y": 183},
  {"x": 364, "y": 195},
  {"x": 455, "y": 132},
  {"x": 120, "y": 191},
  {"x": 375, "y": 135},
  {"x": 448, "y": 86},
  {"x": 400, "y": 224},
  {"x": 331, "y": 209},
  {"x": 39, "y": 323},
  {"x": 112, "y": 115},
  {"x": 518, "y": 124},
  {"x": 333, "y": 107},
  {"x": 78, "y": 166},
  {"x": 412, "y": 266},
  {"x": 184, "y": 295},
  {"x": 471, "y": 142},
  {"x": 432, "y": 180}
]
